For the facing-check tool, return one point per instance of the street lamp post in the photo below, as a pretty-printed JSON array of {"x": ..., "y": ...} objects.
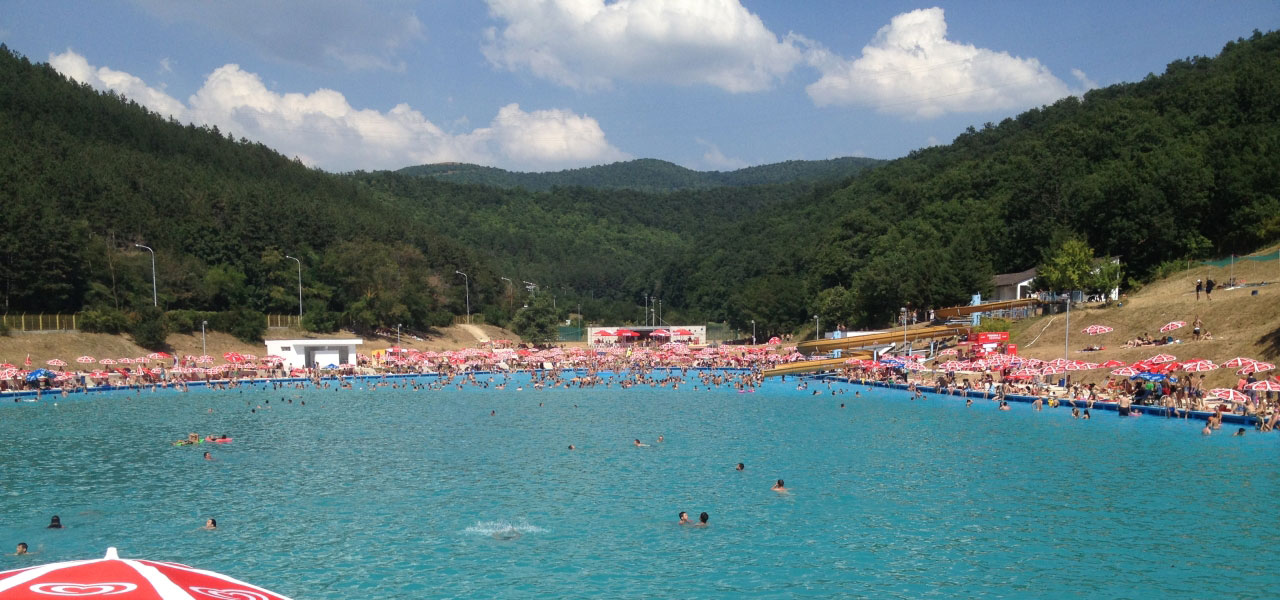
[
  {"x": 467, "y": 280},
  {"x": 904, "y": 329},
  {"x": 154, "y": 297},
  {"x": 660, "y": 312},
  {"x": 753, "y": 332},
  {"x": 299, "y": 288},
  {"x": 397, "y": 335},
  {"x": 817, "y": 328},
  {"x": 204, "y": 346}
]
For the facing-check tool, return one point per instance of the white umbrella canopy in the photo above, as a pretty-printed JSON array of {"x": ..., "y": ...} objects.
[{"x": 126, "y": 579}]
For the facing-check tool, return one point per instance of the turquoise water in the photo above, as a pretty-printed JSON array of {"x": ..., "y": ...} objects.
[{"x": 399, "y": 494}]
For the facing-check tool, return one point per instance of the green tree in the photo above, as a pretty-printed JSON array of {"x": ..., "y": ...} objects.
[
  {"x": 537, "y": 322},
  {"x": 1068, "y": 267}
]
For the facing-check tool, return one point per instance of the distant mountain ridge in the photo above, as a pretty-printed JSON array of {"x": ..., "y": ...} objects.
[{"x": 648, "y": 175}]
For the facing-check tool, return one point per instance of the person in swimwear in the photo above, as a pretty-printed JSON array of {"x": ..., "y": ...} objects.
[
  {"x": 211, "y": 524},
  {"x": 702, "y": 520},
  {"x": 684, "y": 519},
  {"x": 741, "y": 466},
  {"x": 640, "y": 445},
  {"x": 208, "y": 456},
  {"x": 779, "y": 487},
  {"x": 1239, "y": 432},
  {"x": 571, "y": 447},
  {"x": 55, "y": 523},
  {"x": 22, "y": 548}
]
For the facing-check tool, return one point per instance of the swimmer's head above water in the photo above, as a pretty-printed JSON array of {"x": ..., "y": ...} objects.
[{"x": 55, "y": 523}]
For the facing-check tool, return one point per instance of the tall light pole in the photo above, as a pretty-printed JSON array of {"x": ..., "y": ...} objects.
[
  {"x": 467, "y": 281},
  {"x": 660, "y": 312},
  {"x": 204, "y": 347},
  {"x": 397, "y": 335},
  {"x": 817, "y": 329},
  {"x": 904, "y": 329},
  {"x": 753, "y": 332},
  {"x": 509, "y": 282},
  {"x": 299, "y": 288},
  {"x": 154, "y": 297}
]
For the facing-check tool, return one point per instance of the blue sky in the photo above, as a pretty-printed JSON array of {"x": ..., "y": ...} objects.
[{"x": 542, "y": 85}]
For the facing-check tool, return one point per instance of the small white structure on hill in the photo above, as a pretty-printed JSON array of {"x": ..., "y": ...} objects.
[{"x": 314, "y": 353}]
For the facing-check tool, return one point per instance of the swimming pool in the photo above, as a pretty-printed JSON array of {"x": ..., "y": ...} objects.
[{"x": 399, "y": 494}]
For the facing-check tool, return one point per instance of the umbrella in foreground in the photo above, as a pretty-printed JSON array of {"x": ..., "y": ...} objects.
[
  {"x": 126, "y": 579},
  {"x": 1228, "y": 394},
  {"x": 1173, "y": 325},
  {"x": 1264, "y": 386},
  {"x": 1097, "y": 329}
]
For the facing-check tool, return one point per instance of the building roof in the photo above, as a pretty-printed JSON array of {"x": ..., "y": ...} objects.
[
  {"x": 319, "y": 342},
  {"x": 1005, "y": 279}
]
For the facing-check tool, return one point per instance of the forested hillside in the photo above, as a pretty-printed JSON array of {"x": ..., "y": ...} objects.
[
  {"x": 1181, "y": 165},
  {"x": 649, "y": 175}
]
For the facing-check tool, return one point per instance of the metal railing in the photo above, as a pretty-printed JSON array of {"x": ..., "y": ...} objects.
[{"x": 40, "y": 322}]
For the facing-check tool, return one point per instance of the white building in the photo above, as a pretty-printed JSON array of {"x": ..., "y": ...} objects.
[{"x": 314, "y": 353}]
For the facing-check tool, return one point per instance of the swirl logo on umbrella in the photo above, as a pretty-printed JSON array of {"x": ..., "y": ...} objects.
[
  {"x": 228, "y": 594},
  {"x": 82, "y": 589}
]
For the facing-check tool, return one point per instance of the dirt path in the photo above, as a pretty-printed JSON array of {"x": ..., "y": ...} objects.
[{"x": 476, "y": 332}]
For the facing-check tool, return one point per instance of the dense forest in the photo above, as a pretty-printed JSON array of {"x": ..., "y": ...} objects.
[
  {"x": 649, "y": 175},
  {"x": 1185, "y": 164}
]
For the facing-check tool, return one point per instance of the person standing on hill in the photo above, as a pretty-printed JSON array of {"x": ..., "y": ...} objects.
[
  {"x": 1208, "y": 289},
  {"x": 1199, "y": 288}
]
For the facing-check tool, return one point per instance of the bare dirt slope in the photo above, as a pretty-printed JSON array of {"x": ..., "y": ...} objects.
[
  {"x": 68, "y": 346},
  {"x": 1242, "y": 324}
]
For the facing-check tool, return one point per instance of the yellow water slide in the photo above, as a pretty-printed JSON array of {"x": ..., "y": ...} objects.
[{"x": 880, "y": 339}]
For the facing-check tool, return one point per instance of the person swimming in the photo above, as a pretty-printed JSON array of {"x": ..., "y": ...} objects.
[
  {"x": 702, "y": 520},
  {"x": 684, "y": 519},
  {"x": 638, "y": 444},
  {"x": 571, "y": 447},
  {"x": 208, "y": 456},
  {"x": 211, "y": 524},
  {"x": 779, "y": 487},
  {"x": 1239, "y": 432},
  {"x": 741, "y": 466},
  {"x": 22, "y": 548},
  {"x": 55, "y": 523}
]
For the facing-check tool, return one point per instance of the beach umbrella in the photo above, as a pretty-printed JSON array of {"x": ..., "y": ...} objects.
[
  {"x": 1097, "y": 329},
  {"x": 1053, "y": 370},
  {"x": 204, "y": 359},
  {"x": 233, "y": 357},
  {"x": 1125, "y": 372},
  {"x": 1264, "y": 386},
  {"x": 1113, "y": 363},
  {"x": 1026, "y": 373},
  {"x": 124, "y": 361},
  {"x": 1255, "y": 367},
  {"x": 1238, "y": 362},
  {"x": 249, "y": 357},
  {"x": 129, "y": 579},
  {"x": 274, "y": 358},
  {"x": 660, "y": 333},
  {"x": 1161, "y": 358},
  {"x": 56, "y": 362},
  {"x": 949, "y": 352},
  {"x": 159, "y": 355},
  {"x": 775, "y": 340},
  {"x": 85, "y": 360},
  {"x": 1228, "y": 394},
  {"x": 1199, "y": 366},
  {"x": 107, "y": 361},
  {"x": 1170, "y": 326}
]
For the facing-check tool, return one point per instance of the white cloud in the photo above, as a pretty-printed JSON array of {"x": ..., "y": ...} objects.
[
  {"x": 716, "y": 159},
  {"x": 76, "y": 67},
  {"x": 166, "y": 65},
  {"x": 587, "y": 44},
  {"x": 348, "y": 34},
  {"x": 323, "y": 129},
  {"x": 911, "y": 69}
]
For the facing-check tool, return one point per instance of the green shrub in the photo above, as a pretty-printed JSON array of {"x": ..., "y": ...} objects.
[
  {"x": 148, "y": 328},
  {"x": 107, "y": 320},
  {"x": 4, "y": 328},
  {"x": 321, "y": 321},
  {"x": 186, "y": 321},
  {"x": 246, "y": 325}
]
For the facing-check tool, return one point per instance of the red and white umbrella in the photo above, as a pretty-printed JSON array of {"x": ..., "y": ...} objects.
[
  {"x": 107, "y": 361},
  {"x": 1173, "y": 325},
  {"x": 1228, "y": 394},
  {"x": 86, "y": 360},
  {"x": 159, "y": 355},
  {"x": 1238, "y": 362},
  {"x": 204, "y": 359},
  {"x": 233, "y": 357},
  {"x": 1125, "y": 372},
  {"x": 1199, "y": 366},
  {"x": 1255, "y": 367},
  {"x": 124, "y": 361},
  {"x": 126, "y": 579},
  {"x": 1097, "y": 329},
  {"x": 249, "y": 357},
  {"x": 774, "y": 341},
  {"x": 56, "y": 362},
  {"x": 1265, "y": 385},
  {"x": 1162, "y": 358},
  {"x": 949, "y": 352},
  {"x": 1113, "y": 363}
]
